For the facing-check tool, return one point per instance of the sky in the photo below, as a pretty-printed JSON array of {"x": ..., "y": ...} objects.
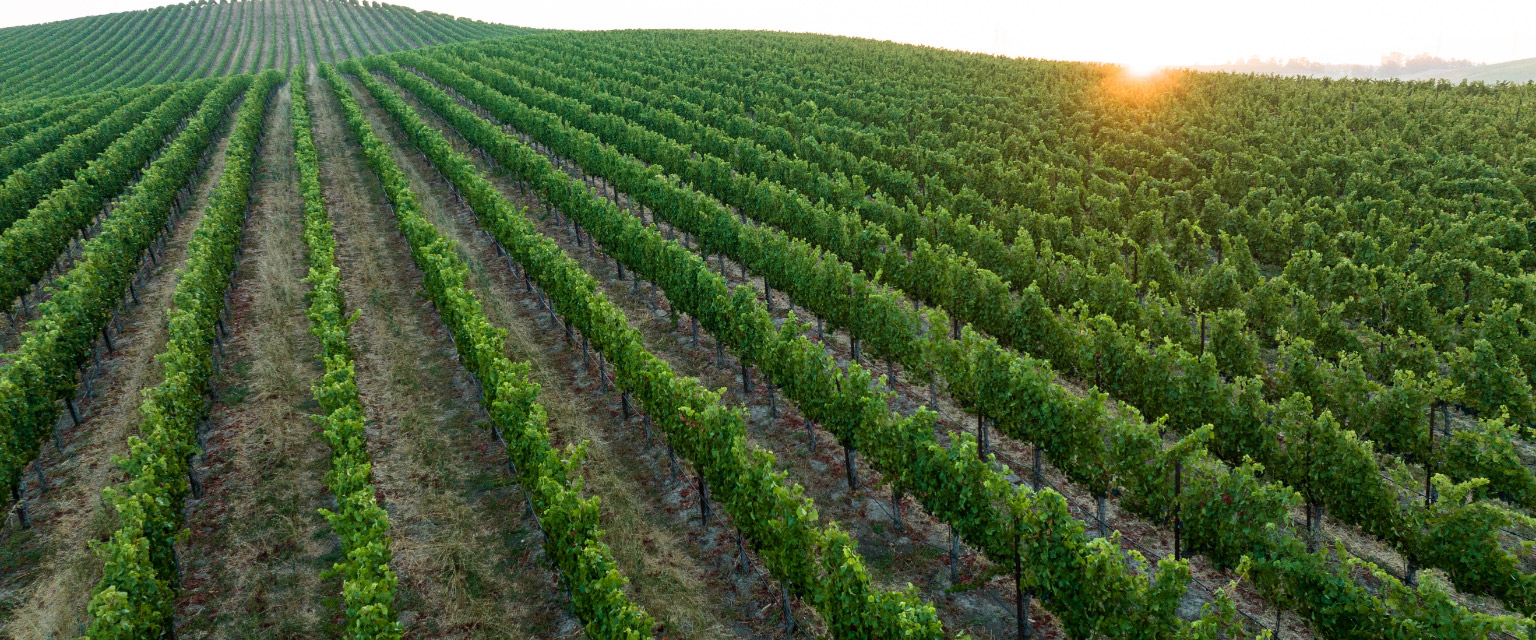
[{"x": 1137, "y": 33}]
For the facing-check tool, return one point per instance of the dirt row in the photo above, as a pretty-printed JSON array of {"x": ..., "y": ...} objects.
[
  {"x": 258, "y": 545},
  {"x": 468, "y": 565}
]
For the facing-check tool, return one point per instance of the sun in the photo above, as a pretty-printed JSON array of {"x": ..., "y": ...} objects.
[
  {"x": 1141, "y": 69},
  {"x": 1141, "y": 81}
]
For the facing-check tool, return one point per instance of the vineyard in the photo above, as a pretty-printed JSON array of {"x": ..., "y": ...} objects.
[
  {"x": 329, "y": 318},
  {"x": 212, "y": 38}
]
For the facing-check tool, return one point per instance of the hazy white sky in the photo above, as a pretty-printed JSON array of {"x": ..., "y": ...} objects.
[{"x": 1140, "y": 32}]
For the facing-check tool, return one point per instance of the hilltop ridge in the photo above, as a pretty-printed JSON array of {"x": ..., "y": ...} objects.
[{"x": 212, "y": 38}]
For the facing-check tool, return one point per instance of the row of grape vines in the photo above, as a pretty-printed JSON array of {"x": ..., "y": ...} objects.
[
  {"x": 18, "y": 117},
  {"x": 139, "y": 584},
  {"x": 22, "y": 189},
  {"x": 140, "y": 574},
  {"x": 1484, "y": 453},
  {"x": 1220, "y": 301},
  {"x": 1072, "y": 281},
  {"x": 1487, "y": 381},
  {"x": 31, "y": 247},
  {"x": 35, "y": 145},
  {"x": 569, "y": 522},
  {"x": 368, "y": 583},
  {"x": 1372, "y": 294}
]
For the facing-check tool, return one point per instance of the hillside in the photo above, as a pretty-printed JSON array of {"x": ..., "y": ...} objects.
[
  {"x": 686, "y": 334},
  {"x": 1513, "y": 71},
  {"x": 211, "y": 38}
]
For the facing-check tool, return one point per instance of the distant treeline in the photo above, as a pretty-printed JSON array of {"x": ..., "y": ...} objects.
[{"x": 1393, "y": 65}]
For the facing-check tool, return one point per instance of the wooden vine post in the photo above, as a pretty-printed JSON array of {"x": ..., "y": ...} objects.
[
  {"x": 1202, "y": 334},
  {"x": 1312, "y": 511},
  {"x": 1024, "y": 596},
  {"x": 981, "y": 435},
  {"x": 1038, "y": 474},
  {"x": 853, "y": 470},
  {"x": 1178, "y": 490},
  {"x": 954, "y": 555}
]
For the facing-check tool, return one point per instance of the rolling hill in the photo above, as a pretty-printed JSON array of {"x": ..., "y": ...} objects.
[
  {"x": 335, "y": 319},
  {"x": 209, "y": 38},
  {"x": 1513, "y": 71}
]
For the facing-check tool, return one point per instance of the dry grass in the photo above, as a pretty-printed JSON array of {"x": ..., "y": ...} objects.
[
  {"x": 202, "y": 48},
  {"x": 341, "y": 36},
  {"x": 50, "y": 582},
  {"x": 258, "y": 545},
  {"x": 467, "y": 567},
  {"x": 236, "y": 41}
]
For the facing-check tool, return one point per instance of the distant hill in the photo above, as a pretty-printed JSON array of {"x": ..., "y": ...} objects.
[
  {"x": 1393, "y": 66},
  {"x": 207, "y": 38},
  {"x": 1517, "y": 71}
]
